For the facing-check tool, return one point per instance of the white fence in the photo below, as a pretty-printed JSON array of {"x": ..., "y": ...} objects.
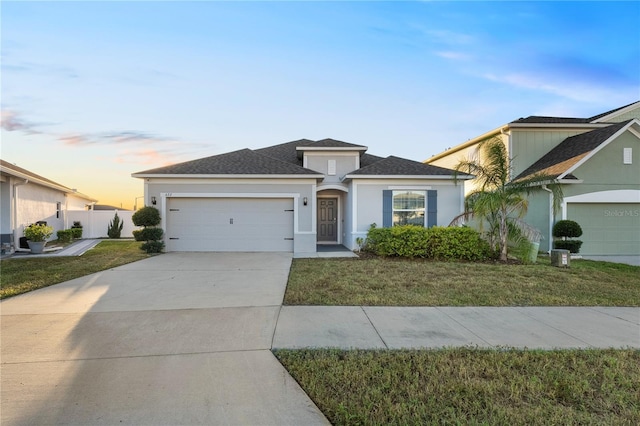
[{"x": 95, "y": 223}]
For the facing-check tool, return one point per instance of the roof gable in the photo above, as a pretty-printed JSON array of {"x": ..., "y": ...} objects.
[
  {"x": 241, "y": 162},
  {"x": 600, "y": 118},
  {"x": 574, "y": 150}
]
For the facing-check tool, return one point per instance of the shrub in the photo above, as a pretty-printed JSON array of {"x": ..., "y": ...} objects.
[
  {"x": 440, "y": 243},
  {"x": 149, "y": 218},
  {"x": 153, "y": 246},
  {"x": 76, "y": 224},
  {"x": 65, "y": 236},
  {"x": 567, "y": 229},
  {"x": 148, "y": 234},
  {"x": 572, "y": 245},
  {"x": 76, "y": 232},
  {"x": 146, "y": 216},
  {"x": 115, "y": 227},
  {"x": 454, "y": 243},
  {"x": 38, "y": 233}
]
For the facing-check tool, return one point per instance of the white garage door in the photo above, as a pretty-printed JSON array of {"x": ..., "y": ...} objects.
[{"x": 229, "y": 224}]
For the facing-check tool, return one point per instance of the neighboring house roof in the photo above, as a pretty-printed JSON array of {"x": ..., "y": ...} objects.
[
  {"x": 19, "y": 172},
  {"x": 284, "y": 159},
  {"x": 570, "y": 120},
  {"x": 107, "y": 207},
  {"x": 558, "y": 162},
  {"x": 396, "y": 166}
]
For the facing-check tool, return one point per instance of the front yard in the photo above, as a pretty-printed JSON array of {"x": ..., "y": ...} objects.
[
  {"x": 21, "y": 275},
  {"x": 398, "y": 282},
  {"x": 467, "y": 386}
]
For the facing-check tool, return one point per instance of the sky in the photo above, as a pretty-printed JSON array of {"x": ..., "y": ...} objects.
[{"x": 92, "y": 92}]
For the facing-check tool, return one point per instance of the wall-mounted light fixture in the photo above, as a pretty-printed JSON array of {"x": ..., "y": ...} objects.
[
  {"x": 305, "y": 201},
  {"x": 153, "y": 200}
]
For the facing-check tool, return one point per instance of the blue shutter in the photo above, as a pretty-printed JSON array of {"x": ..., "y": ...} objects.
[
  {"x": 387, "y": 208},
  {"x": 432, "y": 208}
]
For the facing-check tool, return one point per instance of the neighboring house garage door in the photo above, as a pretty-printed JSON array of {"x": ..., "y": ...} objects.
[
  {"x": 229, "y": 224},
  {"x": 607, "y": 229}
]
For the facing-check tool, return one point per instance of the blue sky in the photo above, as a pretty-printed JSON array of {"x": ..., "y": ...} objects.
[{"x": 95, "y": 91}]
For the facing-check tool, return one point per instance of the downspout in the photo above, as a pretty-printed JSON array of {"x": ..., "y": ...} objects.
[
  {"x": 551, "y": 214},
  {"x": 14, "y": 225}
]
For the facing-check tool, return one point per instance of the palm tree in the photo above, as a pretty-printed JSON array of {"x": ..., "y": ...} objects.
[{"x": 500, "y": 202}]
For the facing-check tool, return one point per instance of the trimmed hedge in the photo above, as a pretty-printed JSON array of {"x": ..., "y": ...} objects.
[
  {"x": 65, "y": 236},
  {"x": 77, "y": 232},
  {"x": 572, "y": 245},
  {"x": 567, "y": 228},
  {"x": 438, "y": 243},
  {"x": 148, "y": 234}
]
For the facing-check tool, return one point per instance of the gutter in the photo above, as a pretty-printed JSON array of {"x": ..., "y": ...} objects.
[{"x": 551, "y": 213}]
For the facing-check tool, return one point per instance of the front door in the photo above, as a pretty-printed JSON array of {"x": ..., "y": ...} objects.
[{"x": 327, "y": 220}]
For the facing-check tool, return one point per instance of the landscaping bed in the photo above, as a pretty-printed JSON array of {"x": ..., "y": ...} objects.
[{"x": 384, "y": 281}]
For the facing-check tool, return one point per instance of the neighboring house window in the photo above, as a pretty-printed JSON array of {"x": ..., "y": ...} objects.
[
  {"x": 627, "y": 156},
  {"x": 409, "y": 208},
  {"x": 58, "y": 208}
]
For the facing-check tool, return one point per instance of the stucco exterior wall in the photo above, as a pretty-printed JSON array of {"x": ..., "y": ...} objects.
[
  {"x": 367, "y": 194},
  {"x": 37, "y": 203},
  {"x": 5, "y": 210},
  {"x": 345, "y": 163}
]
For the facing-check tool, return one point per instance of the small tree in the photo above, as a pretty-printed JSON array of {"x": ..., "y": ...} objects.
[
  {"x": 149, "y": 218},
  {"x": 567, "y": 229},
  {"x": 115, "y": 227}
]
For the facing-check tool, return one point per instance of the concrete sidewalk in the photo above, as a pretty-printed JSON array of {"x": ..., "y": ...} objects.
[{"x": 356, "y": 327}]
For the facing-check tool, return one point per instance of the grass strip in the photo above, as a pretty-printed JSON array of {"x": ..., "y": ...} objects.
[
  {"x": 401, "y": 282},
  {"x": 470, "y": 386},
  {"x": 22, "y": 275}
]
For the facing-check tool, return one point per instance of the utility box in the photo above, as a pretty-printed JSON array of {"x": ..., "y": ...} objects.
[{"x": 560, "y": 258}]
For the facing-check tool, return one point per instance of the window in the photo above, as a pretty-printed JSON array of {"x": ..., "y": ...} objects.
[
  {"x": 58, "y": 208},
  {"x": 409, "y": 208},
  {"x": 627, "y": 156}
]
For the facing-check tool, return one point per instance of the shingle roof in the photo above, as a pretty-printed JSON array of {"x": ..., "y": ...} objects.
[
  {"x": 567, "y": 120},
  {"x": 392, "y": 166},
  {"x": 283, "y": 159},
  {"x": 570, "y": 151},
  {"x": 242, "y": 162},
  {"x": 27, "y": 173}
]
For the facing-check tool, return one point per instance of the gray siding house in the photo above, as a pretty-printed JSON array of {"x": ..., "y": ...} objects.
[{"x": 296, "y": 195}]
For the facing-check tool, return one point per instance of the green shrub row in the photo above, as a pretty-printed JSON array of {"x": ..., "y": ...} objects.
[
  {"x": 438, "y": 243},
  {"x": 67, "y": 235}
]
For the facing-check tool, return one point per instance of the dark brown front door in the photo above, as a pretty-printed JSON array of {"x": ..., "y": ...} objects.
[{"x": 328, "y": 219}]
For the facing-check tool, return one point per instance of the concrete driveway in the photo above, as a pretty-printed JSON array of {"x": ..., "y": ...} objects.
[{"x": 174, "y": 339}]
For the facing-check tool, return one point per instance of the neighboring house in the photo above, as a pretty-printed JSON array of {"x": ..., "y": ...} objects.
[
  {"x": 292, "y": 196},
  {"x": 597, "y": 162},
  {"x": 27, "y": 198}
]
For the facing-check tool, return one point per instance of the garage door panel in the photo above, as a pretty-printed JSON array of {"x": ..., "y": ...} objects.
[
  {"x": 608, "y": 228},
  {"x": 230, "y": 224}
]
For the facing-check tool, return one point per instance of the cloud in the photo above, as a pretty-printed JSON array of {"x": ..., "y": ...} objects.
[
  {"x": 456, "y": 56},
  {"x": 146, "y": 156},
  {"x": 12, "y": 122},
  {"x": 451, "y": 37}
]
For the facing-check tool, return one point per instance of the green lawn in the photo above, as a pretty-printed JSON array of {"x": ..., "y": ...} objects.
[
  {"x": 398, "y": 282},
  {"x": 470, "y": 386},
  {"x": 20, "y": 275}
]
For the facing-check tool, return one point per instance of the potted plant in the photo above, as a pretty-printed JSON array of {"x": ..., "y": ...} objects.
[{"x": 37, "y": 236}]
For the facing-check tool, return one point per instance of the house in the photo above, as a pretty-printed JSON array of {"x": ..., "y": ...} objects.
[
  {"x": 27, "y": 198},
  {"x": 293, "y": 196},
  {"x": 597, "y": 162}
]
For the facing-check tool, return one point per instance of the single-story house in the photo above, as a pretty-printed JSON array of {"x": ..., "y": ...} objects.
[
  {"x": 596, "y": 160},
  {"x": 292, "y": 196},
  {"x": 27, "y": 198}
]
